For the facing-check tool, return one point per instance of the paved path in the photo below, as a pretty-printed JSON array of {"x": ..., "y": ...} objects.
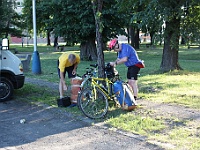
[{"x": 48, "y": 128}]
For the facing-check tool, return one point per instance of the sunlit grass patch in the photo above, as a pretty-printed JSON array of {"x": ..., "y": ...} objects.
[
  {"x": 136, "y": 124},
  {"x": 33, "y": 93},
  {"x": 180, "y": 137},
  {"x": 181, "y": 89}
]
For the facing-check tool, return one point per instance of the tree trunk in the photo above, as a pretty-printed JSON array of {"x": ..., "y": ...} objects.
[
  {"x": 132, "y": 35},
  {"x": 55, "y": 43},
  {"x": 152, "y": 37},
  {"x": 128, "y": 35},
  {"x": 97, "y": 9},
  {"x": 171, "y": 46},
  {"x": 88, "y": 50},
  {"x": 137, "y": 39},
  {"x": 48, "y": 38}
]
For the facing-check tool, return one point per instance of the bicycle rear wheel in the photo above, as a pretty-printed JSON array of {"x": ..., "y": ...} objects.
[{"x": 93, "y": 103}]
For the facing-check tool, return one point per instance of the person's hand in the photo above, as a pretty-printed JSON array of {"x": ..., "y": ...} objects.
[
  {"x": 64, "y": 87},
  {"x": 112, "y": 63},
  {"x": 74, "y": 72}
]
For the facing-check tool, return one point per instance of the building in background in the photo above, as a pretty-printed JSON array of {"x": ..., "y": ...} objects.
[
  {"x": 19, "y": 6},
  {"x": 18, "y": 9}
]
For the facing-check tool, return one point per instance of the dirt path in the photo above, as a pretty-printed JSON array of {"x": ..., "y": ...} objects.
[
  {"x": 50, "y": 128},
  {"x": 170, "y": 110}
]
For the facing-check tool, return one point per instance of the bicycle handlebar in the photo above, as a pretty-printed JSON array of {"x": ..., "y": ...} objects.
[{"x": 94, "y": 65}]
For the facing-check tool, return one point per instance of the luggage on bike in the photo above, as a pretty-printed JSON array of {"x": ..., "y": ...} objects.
[
  {"x": 75, "y": 88},
  {"x": 111, "y": 72},
  {"x": 124, "y": 95},
  {"x": 64, "y": 102}
]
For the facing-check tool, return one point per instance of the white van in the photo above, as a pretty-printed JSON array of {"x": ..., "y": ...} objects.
[{"x": 11, "y": 72}]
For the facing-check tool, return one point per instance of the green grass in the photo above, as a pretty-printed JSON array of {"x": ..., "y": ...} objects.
[{"x": 176, "y": 87}]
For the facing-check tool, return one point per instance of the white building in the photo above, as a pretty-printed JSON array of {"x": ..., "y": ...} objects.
[{"x": 19, "y": 6}]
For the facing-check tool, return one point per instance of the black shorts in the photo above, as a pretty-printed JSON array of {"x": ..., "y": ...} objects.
[
  {"x": 68, "y": 70},
  {"x": 133, "y": 72}
]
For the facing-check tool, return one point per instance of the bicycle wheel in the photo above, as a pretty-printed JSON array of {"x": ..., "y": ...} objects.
[{"x": 93, "y": 103}]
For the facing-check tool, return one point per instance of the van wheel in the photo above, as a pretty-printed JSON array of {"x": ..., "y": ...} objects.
[{"x": 6, "y": 89}]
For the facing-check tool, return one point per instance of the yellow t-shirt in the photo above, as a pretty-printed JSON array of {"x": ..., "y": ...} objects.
[{"x": 63, "y": 61}]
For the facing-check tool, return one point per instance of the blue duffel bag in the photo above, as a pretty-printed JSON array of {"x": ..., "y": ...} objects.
[{"x": 124, "y": 95}]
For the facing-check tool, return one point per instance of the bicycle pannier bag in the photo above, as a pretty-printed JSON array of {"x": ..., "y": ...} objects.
[
  {"x": 64, "y": 102},
  {"x": 75, "y": 88},
  {"x": 124, "y": 95},
  {"x": 109, "y": 71}
]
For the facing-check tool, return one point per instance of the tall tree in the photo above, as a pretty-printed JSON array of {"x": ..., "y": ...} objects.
[
  {"x": 43, "y": 15},
  {"x": 171, "y": 13},
  {"x": 75, "y": 21},
  {"x": 97, "y": 9},
  {"x": 11, "y": 22},
  {"x": 190, "y": 24},
  {"x": 130, "y": 8}
]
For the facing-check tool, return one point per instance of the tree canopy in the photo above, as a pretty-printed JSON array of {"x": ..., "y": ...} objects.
[
  {"x": 170, "y": 18},
  {"x": 75, "y": 21},
  {"x": 11, "y": 22}
]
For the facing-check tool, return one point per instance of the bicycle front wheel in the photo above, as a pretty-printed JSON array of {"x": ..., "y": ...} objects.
[{"x": 93, "y": 103}]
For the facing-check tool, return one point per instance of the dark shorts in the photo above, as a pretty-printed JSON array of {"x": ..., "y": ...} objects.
[
  {"x": 68, "y": 70},
  {"x": 133, "y": 72}
]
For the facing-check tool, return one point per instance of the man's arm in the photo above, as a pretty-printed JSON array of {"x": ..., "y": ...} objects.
[
  {"x": 121, "y": 61},
  {"x": 75, "y": 67},
  {"x": 62, "y": 79}
]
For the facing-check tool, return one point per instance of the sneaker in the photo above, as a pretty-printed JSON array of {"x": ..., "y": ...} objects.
[
  {"x": 72, "y": 105},
  {"x": 135, "y": 97}
]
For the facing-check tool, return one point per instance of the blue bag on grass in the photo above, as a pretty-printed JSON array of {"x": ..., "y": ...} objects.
[{"x": 124, "y": 95}]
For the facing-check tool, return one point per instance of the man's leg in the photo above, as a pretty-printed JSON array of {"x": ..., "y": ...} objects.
[
  {"x": 61, "y": 91},
  {"x": 134, "y": 86},
  {"x": 132, "y": 76},
  {"x": 61, "y": 87}
]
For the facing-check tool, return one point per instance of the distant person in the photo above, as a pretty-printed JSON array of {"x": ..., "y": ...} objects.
[
  {"x": 128, "y": 55},
  {"x": 67, "y": 62}
]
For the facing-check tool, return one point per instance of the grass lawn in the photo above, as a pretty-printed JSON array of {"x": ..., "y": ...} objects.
[{"x": 176, "y": 87}]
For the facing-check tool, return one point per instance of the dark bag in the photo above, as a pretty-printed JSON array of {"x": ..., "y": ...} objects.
[
  {"x": 140, "y": 64},
  {"x": 64, "y": 102},
  {"x": 124, "y": 95},
  {"x": 111, "y": 72}
]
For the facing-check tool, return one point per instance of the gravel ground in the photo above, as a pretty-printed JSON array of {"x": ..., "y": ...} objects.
[{"x": 52, "y": 128}]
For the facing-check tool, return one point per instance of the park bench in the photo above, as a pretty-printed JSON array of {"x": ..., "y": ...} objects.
[
  {"x": 61, "y": 47},
  {"x": 25, "y": 59},
  {"x": 15, "y": 51},
  {"x": 193, "y": 46},
  {"x": 150, "y": 46}
]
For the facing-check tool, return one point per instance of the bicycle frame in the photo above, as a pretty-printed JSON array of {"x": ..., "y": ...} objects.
[
  {"x": 95, "y": 93},
  {"x": 107, "y": 91}
]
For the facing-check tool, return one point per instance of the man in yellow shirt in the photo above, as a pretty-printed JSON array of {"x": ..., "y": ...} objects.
[{"x": 67, "y": 62}]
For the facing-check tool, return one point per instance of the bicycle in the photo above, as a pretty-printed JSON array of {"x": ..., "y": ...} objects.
[{"x": 93, "y": 98}]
